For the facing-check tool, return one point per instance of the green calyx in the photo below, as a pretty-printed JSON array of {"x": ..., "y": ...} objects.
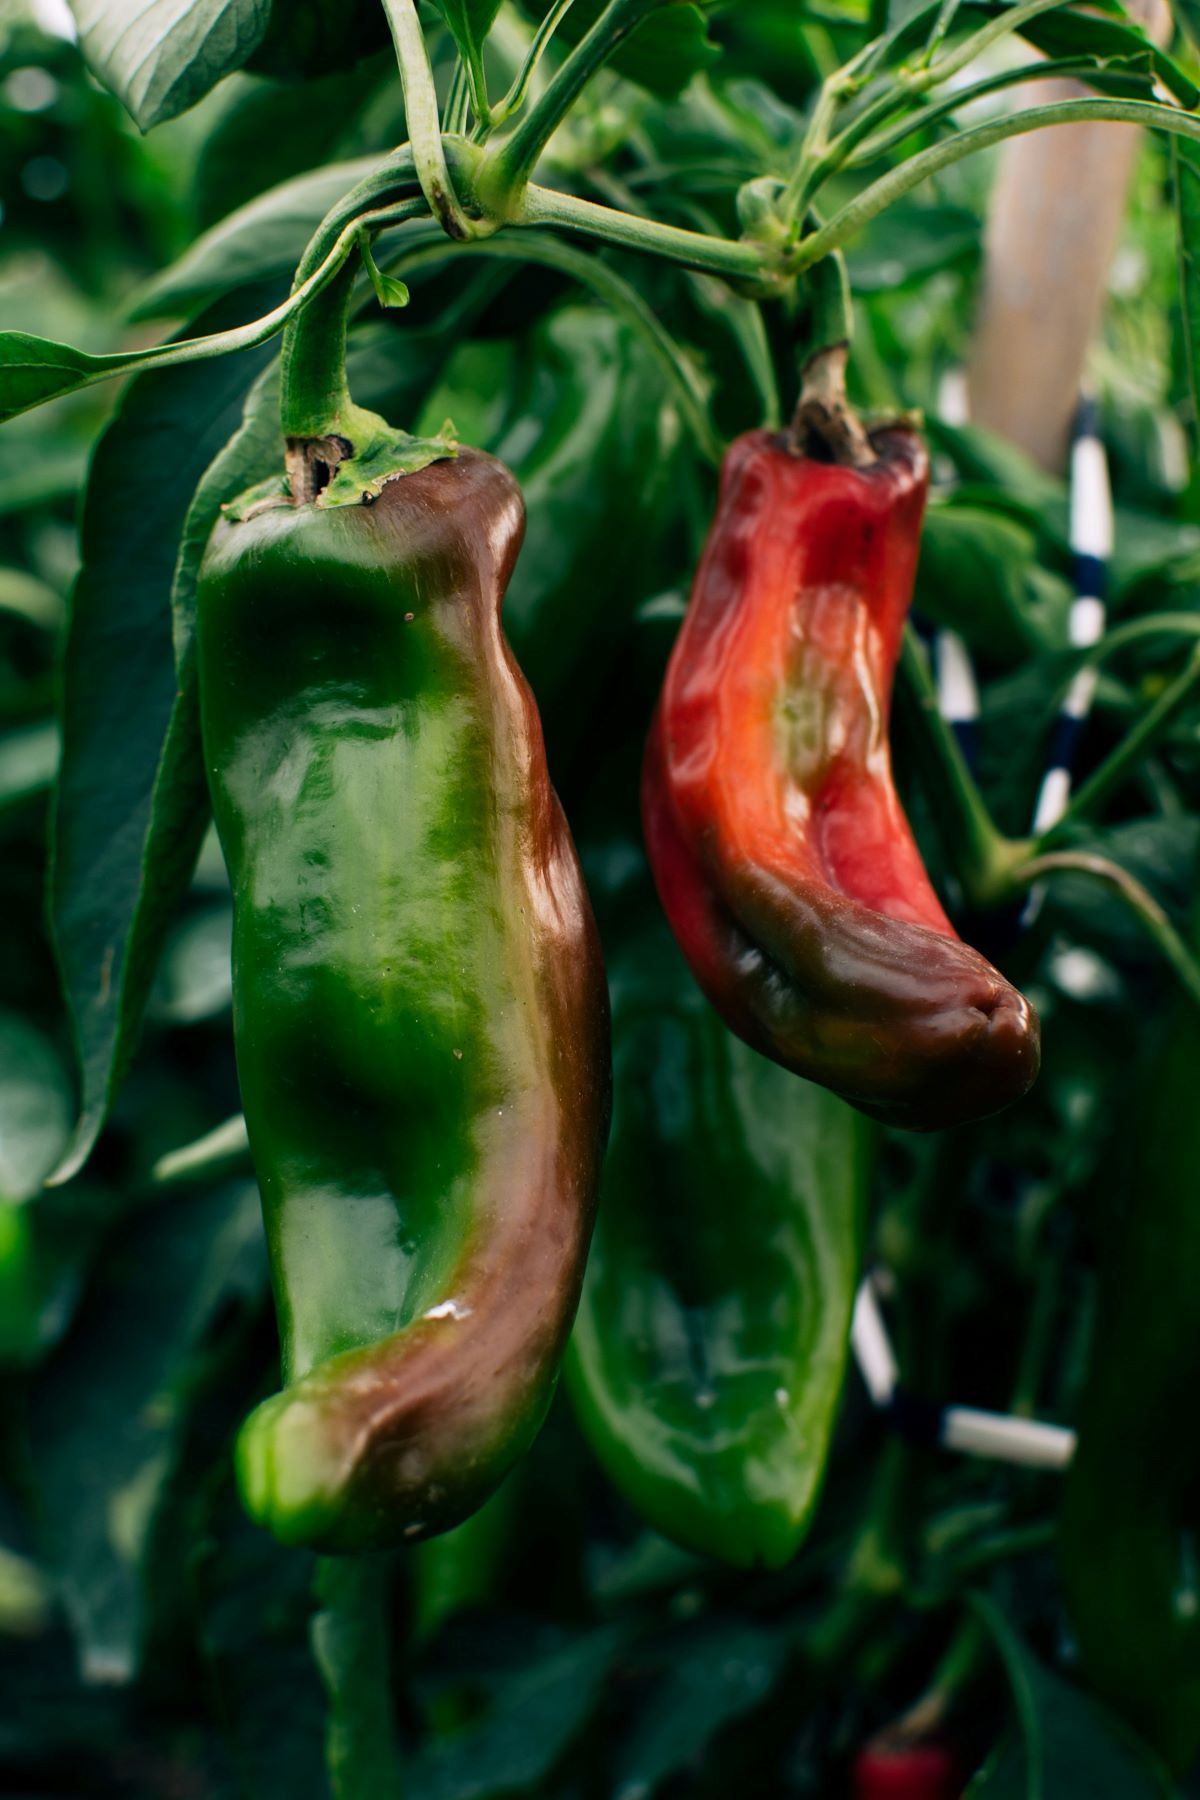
[
  {"x": 353, "y": 467},
  {"x": 337, "y": 470}
]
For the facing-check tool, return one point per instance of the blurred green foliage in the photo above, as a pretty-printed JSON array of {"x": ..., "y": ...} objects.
[{"x": 152, "y": 1643}]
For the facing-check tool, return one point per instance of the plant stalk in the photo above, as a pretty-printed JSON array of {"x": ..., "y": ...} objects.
[
  {"x": 424, "y": 123},
  {"x": 983, "y": 858},
  {"x": 1138, "y": 899},
  {"x": 513, "y": 163},
  {"x": 891, "y": 187}
]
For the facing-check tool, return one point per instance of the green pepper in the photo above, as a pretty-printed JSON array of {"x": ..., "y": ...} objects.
[
  {"x": 420, "y": 1011},
  {"x": 1131, "y": 1507},
  {"x": 707, "y": 1360}
]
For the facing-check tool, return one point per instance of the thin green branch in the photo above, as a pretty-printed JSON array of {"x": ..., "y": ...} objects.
[
  {"x": 395, "y": 180},
  {"x": 1133, "y": 630},
  {"x": 477, "y": 87},
  {"x": 1129, "y": 752},
  {"x": 513, "y": 163},
  {"x": 735, "y": 260},
  {"x": 857, "y": 153},
  {"x": 87, "y": 371},
  {"x": 458, "y": 102},
  {"x": 891, "y": 187},
  {"x": 421, "y": 115},
  {"x": 821, "y": 155},
  {"x": 1140, "y": 902},
  {"x": 518, "y": 92}
]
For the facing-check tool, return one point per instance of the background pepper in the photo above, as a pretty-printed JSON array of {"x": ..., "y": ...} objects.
[
  {"x": 420, "y": 1010},
  {"x": 780, "y": 850},
  {"x": 707, "y": 1360}
]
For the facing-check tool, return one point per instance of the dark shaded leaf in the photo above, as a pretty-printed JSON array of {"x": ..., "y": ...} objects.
[
  {"x": 260, "y": 241},
  {"x": 911, "y": 242},
  {"x": 35, "y": 1108},
  {"x": 1185, "y": 165},
  {"x": 717, "y": 1673},
  {"x": 978, "y": 573},
  {"x": 532, "y": 1716},
  {"x": 270, "y": 132},
  {"x": 108, "y": 1409},
  {"x": 131, "y": 801},
  {"x": 254, "y": 1603},
  {"x": 1064, "y": 1742}
]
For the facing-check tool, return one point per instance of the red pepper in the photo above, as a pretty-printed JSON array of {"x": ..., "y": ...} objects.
[
  {"x": 782, "y": 855},
  {"x": 887, "y": 1771}
]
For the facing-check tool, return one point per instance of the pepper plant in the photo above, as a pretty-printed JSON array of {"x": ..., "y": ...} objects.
[{"x": 365, "y": 255}]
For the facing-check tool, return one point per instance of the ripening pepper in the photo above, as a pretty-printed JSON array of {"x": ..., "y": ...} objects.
[
  {"x": 887, "y": 1770},
  {"x": 781, "y": 853},
  {"x": 707, "y": 1360},
  {"x": 1131, "y": 1503},
  {"x": 420, "y": 1010}
]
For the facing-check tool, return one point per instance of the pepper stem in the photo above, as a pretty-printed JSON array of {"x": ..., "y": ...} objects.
[
  {"x": 337, "y": 453},
  {"x": 315, "y": 398},
  {"x": 825, "y": 424}
]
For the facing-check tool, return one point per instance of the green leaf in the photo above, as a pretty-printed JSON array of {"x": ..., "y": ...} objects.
[
  {"x": 159, "y": 57},
  {"x": 222, "y": 1151},
  {"x": 716, "y": 1672},
  {"x": 29, "y": 758},
  {"x": 304, "y": 42},
  {"x": 34, "y": 370},
  {"x": 254, "y": 1607},
  {"x": 1064, "y": 1742},
  {"x": 35, "y": 1108},
  {"x": 269, "y": 132},
  {"x": 351, "y": 1644},
  {"x": 261, "y": 241},
  {"x": 1185, "y": 166},
  {"x": 532, "y": 1716},
  {"x": 1066, "y": 32},
  {"x": 978, "y": 574},
  {"x": 910, "y": 242},
  {"x": 107, "y": 1413},
  {"x": 469, "y": 22},
  {"x": 389, "y": 291},
  {"x": 23, "y": 596},
  {"x": 194, "y": 977},
  {"x": 132, "y": 802},
  {"x": 1187, "y": 17}
]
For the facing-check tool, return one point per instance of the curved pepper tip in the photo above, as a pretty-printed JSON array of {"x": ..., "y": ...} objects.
[{"x": 283, "y": 1476}]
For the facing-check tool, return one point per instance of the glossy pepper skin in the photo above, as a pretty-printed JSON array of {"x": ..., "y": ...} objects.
[
  {"x": 1131, "y": 1502},
  {"x": 420, "y": 1009},
  {"x": 781, "y": 852},
  {"x": 707, "y": 1360}
]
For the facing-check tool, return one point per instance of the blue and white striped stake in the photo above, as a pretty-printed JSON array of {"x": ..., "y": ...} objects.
[
  {"x": 953, "y": 670},
  {"x": 1000, "y": 1437},
  {"x": 1091, "y": 544},
  {"x": 957, "y": 690}
]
